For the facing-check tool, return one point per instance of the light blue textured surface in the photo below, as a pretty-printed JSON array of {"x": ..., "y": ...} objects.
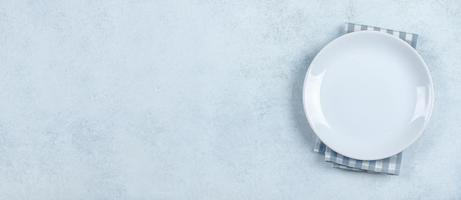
[{"x": 200, "y": 100}]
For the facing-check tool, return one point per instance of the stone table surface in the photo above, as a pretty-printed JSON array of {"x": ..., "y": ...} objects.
[{"x": 201, "y": 99}]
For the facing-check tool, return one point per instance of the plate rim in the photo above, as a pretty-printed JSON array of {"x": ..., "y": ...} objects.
[{"x": 430, "y": 93}]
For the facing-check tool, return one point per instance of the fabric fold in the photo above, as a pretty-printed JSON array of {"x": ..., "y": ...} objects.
[{"x": 389, "y": 165}]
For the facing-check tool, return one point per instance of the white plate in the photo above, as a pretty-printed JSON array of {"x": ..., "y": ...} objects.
[{"x": 368, "y": 95}]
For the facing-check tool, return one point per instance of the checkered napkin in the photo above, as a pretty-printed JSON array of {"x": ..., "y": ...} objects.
[{"x": 389, "y": 165}]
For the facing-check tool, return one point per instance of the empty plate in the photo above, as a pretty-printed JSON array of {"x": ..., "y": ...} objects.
[{"x": 368, "y": 95}]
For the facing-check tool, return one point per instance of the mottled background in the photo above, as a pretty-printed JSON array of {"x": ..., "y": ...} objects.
[{"x": 200, "y": 99}]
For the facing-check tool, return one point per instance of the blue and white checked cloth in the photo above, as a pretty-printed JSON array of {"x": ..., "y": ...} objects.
[{"x": 389, "y": 165}]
